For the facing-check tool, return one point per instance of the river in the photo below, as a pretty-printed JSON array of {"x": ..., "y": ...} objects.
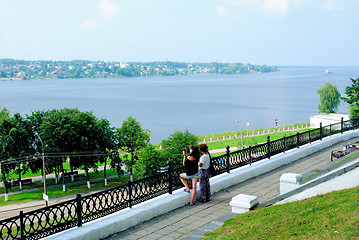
[{"x": 203, "y": 104}]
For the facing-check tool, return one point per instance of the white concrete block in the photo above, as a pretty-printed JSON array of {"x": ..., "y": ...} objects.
[
  {"x": 289, "y": 182},
  {"x": 243, "y": 203}
]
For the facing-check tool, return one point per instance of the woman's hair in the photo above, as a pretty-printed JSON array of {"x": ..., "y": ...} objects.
[
  {"x": 195, "y": 151},
  {"x": 203, "y": 147}
]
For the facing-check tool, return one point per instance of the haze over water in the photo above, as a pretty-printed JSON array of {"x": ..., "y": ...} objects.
[{"x": 203, "y": 104}]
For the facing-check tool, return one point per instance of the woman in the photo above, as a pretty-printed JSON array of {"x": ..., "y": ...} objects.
[
  {"x": 190, "y": 162},
  {"x": 204, "y": 173}
]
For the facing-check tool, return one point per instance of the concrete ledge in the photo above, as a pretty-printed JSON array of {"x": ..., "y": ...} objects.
[
  {"x": 124, "y": 219},
  {"x": 289, "y": 181},
  {"x": 243, "y": 203}
]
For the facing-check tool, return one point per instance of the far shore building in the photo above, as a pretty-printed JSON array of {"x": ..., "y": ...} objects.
[{"x": 327, "y": 119}]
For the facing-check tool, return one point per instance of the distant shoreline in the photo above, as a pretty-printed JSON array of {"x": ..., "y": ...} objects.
[
  {"x": 123, "y": 77},
  {"x": 10, "y": 79},
  {"x": 22, "y": 69}
]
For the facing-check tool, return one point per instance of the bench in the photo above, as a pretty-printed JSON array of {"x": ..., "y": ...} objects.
[
  {"x": 16, "y": 183},
  {"x": 69, "y": 174}
]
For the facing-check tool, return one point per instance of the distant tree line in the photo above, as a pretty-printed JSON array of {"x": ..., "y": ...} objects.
[{"x": 22, "y": 69}]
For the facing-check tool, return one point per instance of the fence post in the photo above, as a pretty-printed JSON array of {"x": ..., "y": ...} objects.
[
  {"x": 129, "y": 193},
  {"x": 250, "y": 155},
  {"x": 169, "y": 177},
  {"x": 227, "y": 165},
  {"x": 22, "y": 225},
  {"x": 284, "y": 144},
  {"x": 341, "y": 125},
  {"x": 321, "y": 131},
  {"x": 79, "y": 210},
  {"x": 297, "y": 139},
  {"x": 330, "y": 130},
  {"x": 310, "y": 139},
  {"x": 268, "y": 147}
]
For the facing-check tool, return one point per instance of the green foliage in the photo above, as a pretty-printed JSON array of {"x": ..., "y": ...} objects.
[
  {"x": 4, "y": 114},
  {"x": 329, "y": 98},
  {"x": 70, "y": 130},
  {"x": 175, "y": 142},
  {"x": 131, "y": 137},
  {"x": 352, "y": 98},
  {"x": 150, "y": 161},
  {"x": 16, "y": 138},
  {"x": 116, "y": 163}
]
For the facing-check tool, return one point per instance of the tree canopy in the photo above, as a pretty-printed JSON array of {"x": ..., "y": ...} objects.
[
  {"x": 150, "y": 161},
  {"x": 175, "y": 142},
  {"x": 131, "y": 137},
  {"x": 352, "y": 98},
  {"x": 329, "y": 98}
]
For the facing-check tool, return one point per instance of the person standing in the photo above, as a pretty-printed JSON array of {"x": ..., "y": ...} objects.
[
  {"x": 204, "y": 174},
  {"x": 190, "y": 162}
]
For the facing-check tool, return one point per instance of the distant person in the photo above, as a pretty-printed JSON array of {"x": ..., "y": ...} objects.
[
  {"x": 204, "y": 174},
  {"x": 190, "y": 162}
]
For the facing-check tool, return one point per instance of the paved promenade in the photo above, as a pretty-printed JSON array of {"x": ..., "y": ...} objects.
[{"x": 192, "y": 222}]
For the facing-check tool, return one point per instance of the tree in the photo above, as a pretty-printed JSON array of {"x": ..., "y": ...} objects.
[
  {"x": 352, "y": 98},
  {"x": 132, "y": 137},
  {"x": 106, "y": 140},
  {"x": 70, "y": 130},
  {"x": 150, "y": 161},
  {"x": 329, "y": 98},
  {"x": 16, "y": 138},
  {"x": 4, "y": 114},
  {"x": 35, "y": 120},
  {"x": 175, "y": 142}
]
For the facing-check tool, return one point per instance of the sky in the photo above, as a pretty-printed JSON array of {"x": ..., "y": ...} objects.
[{"x": 272, "y": 32}]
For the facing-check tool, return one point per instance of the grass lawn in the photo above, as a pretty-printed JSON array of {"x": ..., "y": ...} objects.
[
  {"x": 14, "y": 173},
  {"x": 251, "y": 141},
  {"x": 57, "y": 191},
  {"x": 330, "y": 216},
  {"x": 49, "y": 182}
]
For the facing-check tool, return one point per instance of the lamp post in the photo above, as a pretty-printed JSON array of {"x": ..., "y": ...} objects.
[
  {"x": 241, "y": 136},
  {"x": 131, "y": 165},
  {"x": 46, "y": 198},
  {"x": 247, "y": 124}
]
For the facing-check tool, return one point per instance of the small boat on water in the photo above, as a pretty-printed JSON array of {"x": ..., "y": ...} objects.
[{"x": 327, "y": 71}]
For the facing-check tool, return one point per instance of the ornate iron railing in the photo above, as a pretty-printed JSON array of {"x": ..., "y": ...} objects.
[{"x": 59, "y": 217}]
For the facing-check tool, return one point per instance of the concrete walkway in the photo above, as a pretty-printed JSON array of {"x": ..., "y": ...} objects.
[{"x": 193, "y": 222}]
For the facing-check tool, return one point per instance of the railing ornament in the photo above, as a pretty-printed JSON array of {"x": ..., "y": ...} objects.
[
  {"x": 227, "y": 161},
  {"x": 169, "y": 177},
  {"x": 268, "y": 147}
]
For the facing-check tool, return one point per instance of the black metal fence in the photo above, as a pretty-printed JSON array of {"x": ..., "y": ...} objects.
[{"x": 59, "y": 217}]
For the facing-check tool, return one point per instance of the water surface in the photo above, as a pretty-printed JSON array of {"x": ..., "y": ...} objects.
[{"x": 203, "y": 104}]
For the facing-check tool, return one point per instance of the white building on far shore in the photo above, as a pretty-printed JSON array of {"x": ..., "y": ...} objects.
[{"x": 327, "y": 119}]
